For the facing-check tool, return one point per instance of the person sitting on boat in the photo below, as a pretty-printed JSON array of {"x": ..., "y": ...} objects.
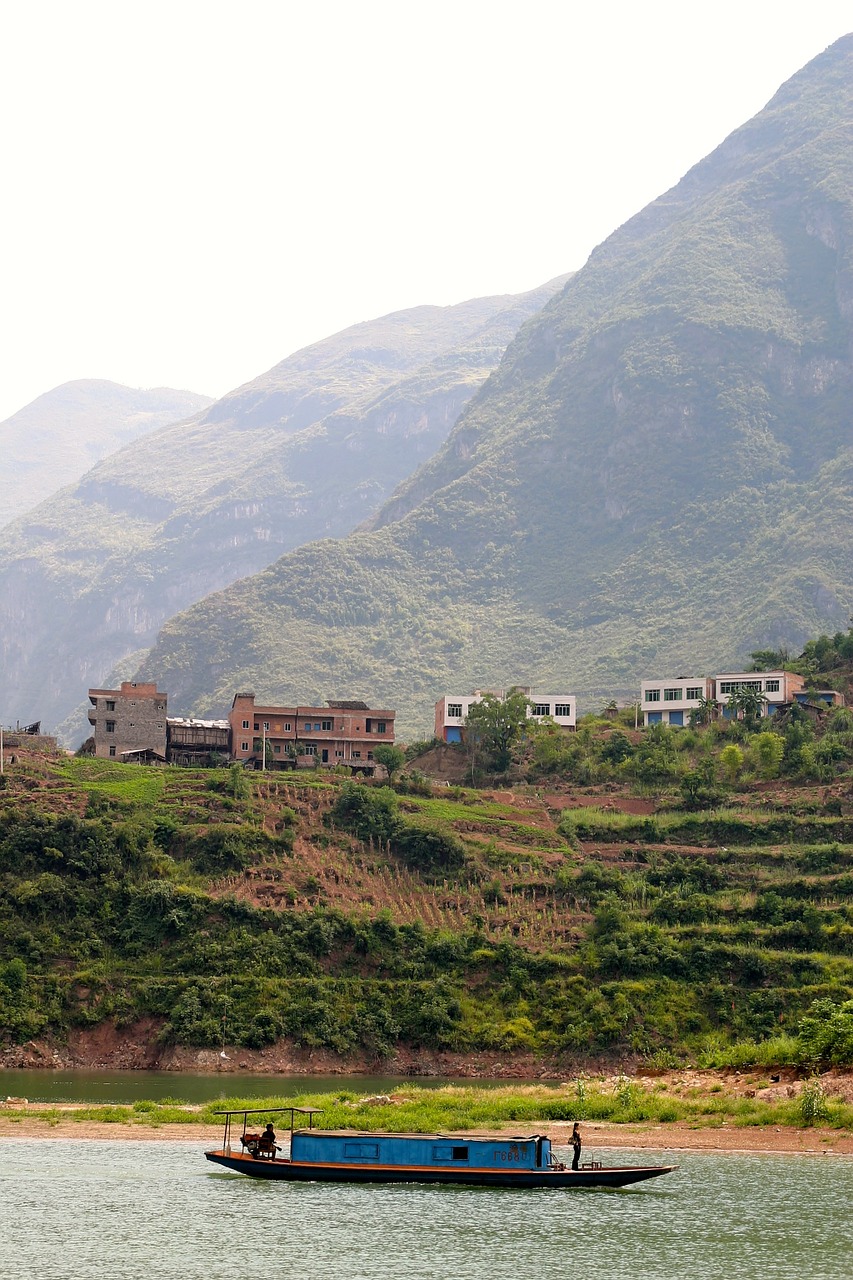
[
  {"x": 267, "y": 1143},
  {"x": 576, "y": 1142}
]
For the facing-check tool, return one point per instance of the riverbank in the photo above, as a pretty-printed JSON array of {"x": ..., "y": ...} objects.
[{"x": 677, "y": 1136}]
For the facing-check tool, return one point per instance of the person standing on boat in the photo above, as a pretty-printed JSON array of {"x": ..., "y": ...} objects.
[{"x": 576, "y": 1144}]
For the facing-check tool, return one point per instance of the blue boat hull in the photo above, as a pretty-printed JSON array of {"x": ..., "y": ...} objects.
[{"x": 317, "y": 1172}]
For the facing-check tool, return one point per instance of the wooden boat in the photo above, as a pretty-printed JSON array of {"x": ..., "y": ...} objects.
[{"x": 345, "y": 1155}]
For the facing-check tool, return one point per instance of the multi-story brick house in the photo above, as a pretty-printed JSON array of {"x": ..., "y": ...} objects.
[
  {"x": 342, "y": 732},
  {"x": 452, "y": 710},
  {"x": 129, "y": 722}
]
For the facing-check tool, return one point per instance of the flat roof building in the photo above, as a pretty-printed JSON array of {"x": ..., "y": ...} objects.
[
  {"x": 129, "y": 723},
  {"x": 451, "y": 711},
  {"x": 343, "y": 732}
]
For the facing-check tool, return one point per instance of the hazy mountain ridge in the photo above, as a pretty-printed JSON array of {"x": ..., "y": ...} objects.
[
  {"x": 54, "y": 440},
  {"x": 310, "y": 448},
  {"x": 656, "y": 478}
]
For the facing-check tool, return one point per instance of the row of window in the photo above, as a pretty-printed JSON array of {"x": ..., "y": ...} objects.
[
  {"x": 111, "y": 726},
  {"x": 317, "y": 726},
  {"x": 454, "y": 710},
  {"x": 691, "y": 693},
  {"x": 733, "y": 686},
  {"x": 310, "y": 749}
]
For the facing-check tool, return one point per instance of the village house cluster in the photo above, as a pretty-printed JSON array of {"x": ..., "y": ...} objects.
[
  {"x": 673, "y": 701},
  {"x": 131, "y": 723}
]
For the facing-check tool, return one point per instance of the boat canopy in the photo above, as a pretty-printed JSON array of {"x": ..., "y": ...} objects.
[{"x": 245, "y": 1112}]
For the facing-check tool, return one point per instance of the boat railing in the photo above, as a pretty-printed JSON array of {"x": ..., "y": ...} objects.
[{"x": 255, "y": 1144}]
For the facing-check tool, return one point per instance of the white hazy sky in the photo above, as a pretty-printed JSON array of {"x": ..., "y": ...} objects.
[{"x": 192, "y": 189}]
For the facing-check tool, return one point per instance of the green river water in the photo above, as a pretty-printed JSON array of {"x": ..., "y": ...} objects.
[{"x": 72, "y": 1209}]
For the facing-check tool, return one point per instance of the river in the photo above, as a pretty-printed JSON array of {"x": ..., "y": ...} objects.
[
  {"x": 82, "y": 1210},
  {"x": 131, "y": 1086}
]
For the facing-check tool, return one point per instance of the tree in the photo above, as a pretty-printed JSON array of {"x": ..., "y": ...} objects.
[
  {"x": 369, "y": 812},
  {"x": 769, "y": 748},
  {"x": 494, "y": 725},
  {"x": 390, "y": 757},
  {"x": 706, "y": 710},
  {"x": 731, "y": 758},
  {"x": 747, "y": 703}
]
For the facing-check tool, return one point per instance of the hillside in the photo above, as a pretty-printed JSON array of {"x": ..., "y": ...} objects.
[
  {"x": 51, "y": 443},
  {"x": 656, "y": 479},
  {"x": 308, "y": 449},
  {"x": 561, "y": 923}
]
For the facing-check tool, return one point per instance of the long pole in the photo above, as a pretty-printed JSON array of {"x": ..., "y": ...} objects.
[
  {"x": 264, "y": 751},
  {"x": 2, "y": 767}
]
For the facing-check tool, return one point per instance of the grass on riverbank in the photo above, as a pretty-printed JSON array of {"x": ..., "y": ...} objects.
[{"x": 454, "y": 1109}]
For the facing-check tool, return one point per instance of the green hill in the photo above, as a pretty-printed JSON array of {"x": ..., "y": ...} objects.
[
  {"x": 51, "y": 443},
  {"x": 308, "y": 449},
  {"x": 657, "y": 478},
  {"x": 390, "y": 926}
]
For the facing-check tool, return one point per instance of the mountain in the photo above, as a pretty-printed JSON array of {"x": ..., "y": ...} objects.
[
  {"x": 658, "y": 477},
  {"x": 52, "y": 442},
  {"x": 309, "y": 449}
]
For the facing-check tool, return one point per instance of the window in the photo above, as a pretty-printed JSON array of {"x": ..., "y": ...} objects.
[
  {"x": 693, "y": 692},
  {"x": 277, "y": 750},
  {"x": 653, "y": 695},
  {"x": 732, "y": 686},
  {"x": 771, "y": 686},
  {"x": 370, "y": 755},
  {"x": 541, "y": 709},
  {"x": 307, "y": 726},
  {"x": 245, "y": 724},
  {"x": 449, "y": 1153},
  {"x": 361, "y": 1150},
  {"x": 287, "y": 728},
  {"x": 672, "y": 695},
  {"x": 310, "y": 750},
  {"x": 339, "y": 755},
  {"x": 562, "y": 708},
  {"x": 326, "y": 726},
  {"x": 454, "y": 710},
  {"x": 112, "y": 748},
  {"x": 380, "y": 726},
  {"x": 244, "y": 746},
  {"x": 356, "y": 755},
  {"x": 111, "y": 706},
  {"x": 267, "y": 725},
  {"x": 111, "y": 726},
  {"x": 257, "y": 726}
]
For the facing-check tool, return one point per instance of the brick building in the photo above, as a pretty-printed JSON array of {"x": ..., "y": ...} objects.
[
  {"x": 339, "y": 733},
  {"x": 130, "y": 722}
]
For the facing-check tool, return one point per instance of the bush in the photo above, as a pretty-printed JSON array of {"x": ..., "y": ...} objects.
[
  {"x": 369, "y": 812},
  {"x": 825, "y": 1035},
  {"x": 426, "y": 850}
]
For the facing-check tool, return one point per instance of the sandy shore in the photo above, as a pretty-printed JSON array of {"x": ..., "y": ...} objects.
[{"x": 680, "y": 1136}]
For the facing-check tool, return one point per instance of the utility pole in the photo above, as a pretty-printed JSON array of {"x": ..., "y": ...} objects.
[
  {"x": 264, "y": 748},
  {"x": 2, "y": 767}
]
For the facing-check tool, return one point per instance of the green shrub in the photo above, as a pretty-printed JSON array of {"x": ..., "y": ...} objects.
[{"x": 825, "y": 1035}]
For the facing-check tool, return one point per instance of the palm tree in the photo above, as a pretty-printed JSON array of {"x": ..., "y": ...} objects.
[
  {"x": 705, "y": 711},
  {"x": 747, "y": 703}
]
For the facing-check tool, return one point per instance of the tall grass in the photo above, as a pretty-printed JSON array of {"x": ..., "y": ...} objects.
[{"x": 456, "y": 1109}]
